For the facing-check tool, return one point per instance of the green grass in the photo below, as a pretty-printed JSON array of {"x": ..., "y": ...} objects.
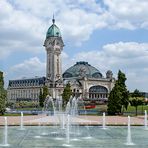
[
  {"x": 29, "y": 109},
  {"x": 130, "y": 111},
  {"x": 140, "y": 109},
  {"x": 9, "y": 114},
  {"x": 100, "y": 108}
]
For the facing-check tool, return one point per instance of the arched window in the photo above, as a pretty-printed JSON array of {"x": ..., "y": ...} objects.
[{"x": 98, "y": 89}]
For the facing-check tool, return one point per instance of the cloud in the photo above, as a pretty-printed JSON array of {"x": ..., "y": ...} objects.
[
  {"x": 128, "y": 14},
  {"x": 78, "y": 29},
  {"x": 24, "y": 23},
  {"x": 133, "y": 49},
  {"x": 29, "y": 68},
  {"x": 19, "y": 30}
]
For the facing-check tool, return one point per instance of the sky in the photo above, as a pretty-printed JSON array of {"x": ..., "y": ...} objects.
[{"x": 108, "y": 34}]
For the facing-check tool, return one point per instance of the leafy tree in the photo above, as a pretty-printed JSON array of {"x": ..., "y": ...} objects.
[
  {"x": 136, "y": 100},
  {"x": 10, "y": 104},
  {"x": 2, "y": 94},
  {"x": 136, "y": 93},
  {"x": 43, "y": 95},
  {"x": 123, "y": 90},
  {"x": 66, "y": 94},
  {"x": 41, "y": 103},
  {"x": 45, "y": 92},
  {"x": 118, "y": 97},
  {"x": 114, "y": 101}
]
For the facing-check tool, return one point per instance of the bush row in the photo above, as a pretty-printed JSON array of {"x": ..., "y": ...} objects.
[{"x": 22, "y": 104}]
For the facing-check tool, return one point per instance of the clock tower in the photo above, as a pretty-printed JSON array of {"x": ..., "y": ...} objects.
[{"x": 54, "y": 46}]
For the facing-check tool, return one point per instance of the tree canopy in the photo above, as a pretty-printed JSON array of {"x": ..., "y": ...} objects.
[
  {"x": 66, "y": 94},
  {"x": 136, "y": 99},
  {"x": 114, "y": 101},
  {"x": 2, "y": 94},
  {"x": 42, "y": 96},
  {"x": 136, "y": 93},
  {"x": 119, "y": 96}
]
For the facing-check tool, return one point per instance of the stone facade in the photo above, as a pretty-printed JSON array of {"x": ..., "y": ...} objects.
[
  {"x": 91, "y": 84},
  {"x": 25, "y": 89}
]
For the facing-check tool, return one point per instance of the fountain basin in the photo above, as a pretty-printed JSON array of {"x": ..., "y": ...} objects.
[{"x": 114, "y": 137}]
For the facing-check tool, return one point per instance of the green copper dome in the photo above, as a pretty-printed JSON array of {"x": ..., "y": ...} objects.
[
  {"x": 53, "y": 30},
  {"x": 82, "y": 69}
]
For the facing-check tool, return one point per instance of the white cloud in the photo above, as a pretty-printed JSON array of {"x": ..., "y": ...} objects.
[
  {"x": 19, "y": 31},
  {"x": 131, "y": 9},
  {"x": 29, "y": 68},
  {"x": 128, "y": 14},
  {"x": 126, "y": 49},
  {"x": 24, "y": 23},
  {"x": 79, "y": 25}
]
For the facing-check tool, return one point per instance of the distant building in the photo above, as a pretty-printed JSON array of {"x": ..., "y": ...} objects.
[
  {"x": 86, "y": 81},
  {"x": 25, "y": 89}
]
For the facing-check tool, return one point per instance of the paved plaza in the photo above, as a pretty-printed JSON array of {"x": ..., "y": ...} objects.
[{"x": 82, "y": 120}]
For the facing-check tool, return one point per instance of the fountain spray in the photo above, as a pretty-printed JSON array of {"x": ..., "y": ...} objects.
[{"x": 129, "y": 138}]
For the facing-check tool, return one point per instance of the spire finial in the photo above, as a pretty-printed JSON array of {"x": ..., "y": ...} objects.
[{"x": 53, "y": 20}]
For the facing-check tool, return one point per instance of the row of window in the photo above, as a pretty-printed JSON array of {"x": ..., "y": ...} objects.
[
  {"x": 24, "y": 84},
  {"x": 13, "y": 94},
  {"x": 27, "y": 82}
]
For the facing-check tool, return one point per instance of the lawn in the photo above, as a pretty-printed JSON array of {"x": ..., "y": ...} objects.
[
  {"x": 140, "y": 110},
  {"x": 130, "y": 111}
]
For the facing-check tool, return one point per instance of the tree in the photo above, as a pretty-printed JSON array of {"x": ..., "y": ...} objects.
[
  {"x": 43, "y": 95},
  {"x": 136, "y": 93},
  {"x": 41, "y": 103},
  {"x": 118, "y": 97},
  {"x": 114, "y": 101},
  {"x": 66, "y": 94},
  {"x": 123, "y": 90},
  {"x": 2, "y": 94},
  {"x": 136, "y": 100}
]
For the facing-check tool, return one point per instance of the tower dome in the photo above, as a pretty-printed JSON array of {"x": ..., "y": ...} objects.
[
  {"x": 53, "y": 30},
  {"x": 82, "y": 69}
]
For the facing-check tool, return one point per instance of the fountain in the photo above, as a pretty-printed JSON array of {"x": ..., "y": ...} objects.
[
  {"x": 103, "y": 121},
  {"x": 22, "y": 122},
  {"x": 5, "y": 133},
  {"x": 67, "y": 132},
  {"x": 145, "y": 120},
  {"x": 68, "y": 129},
  {"x": 63, "y": 121},
  {"x": 129, "y": 138},
  {"x": 48, "y": 105},
  {"x": 67, "y": 111}
]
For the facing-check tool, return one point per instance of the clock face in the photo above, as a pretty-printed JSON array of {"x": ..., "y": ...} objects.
[{"x": 51, "y": 42}]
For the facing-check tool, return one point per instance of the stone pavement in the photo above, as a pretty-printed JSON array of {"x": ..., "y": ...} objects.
[{"x": 82, "y": 120}]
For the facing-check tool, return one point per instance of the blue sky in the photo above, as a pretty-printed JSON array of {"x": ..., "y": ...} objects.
[{"x": 109, "y": 34}]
